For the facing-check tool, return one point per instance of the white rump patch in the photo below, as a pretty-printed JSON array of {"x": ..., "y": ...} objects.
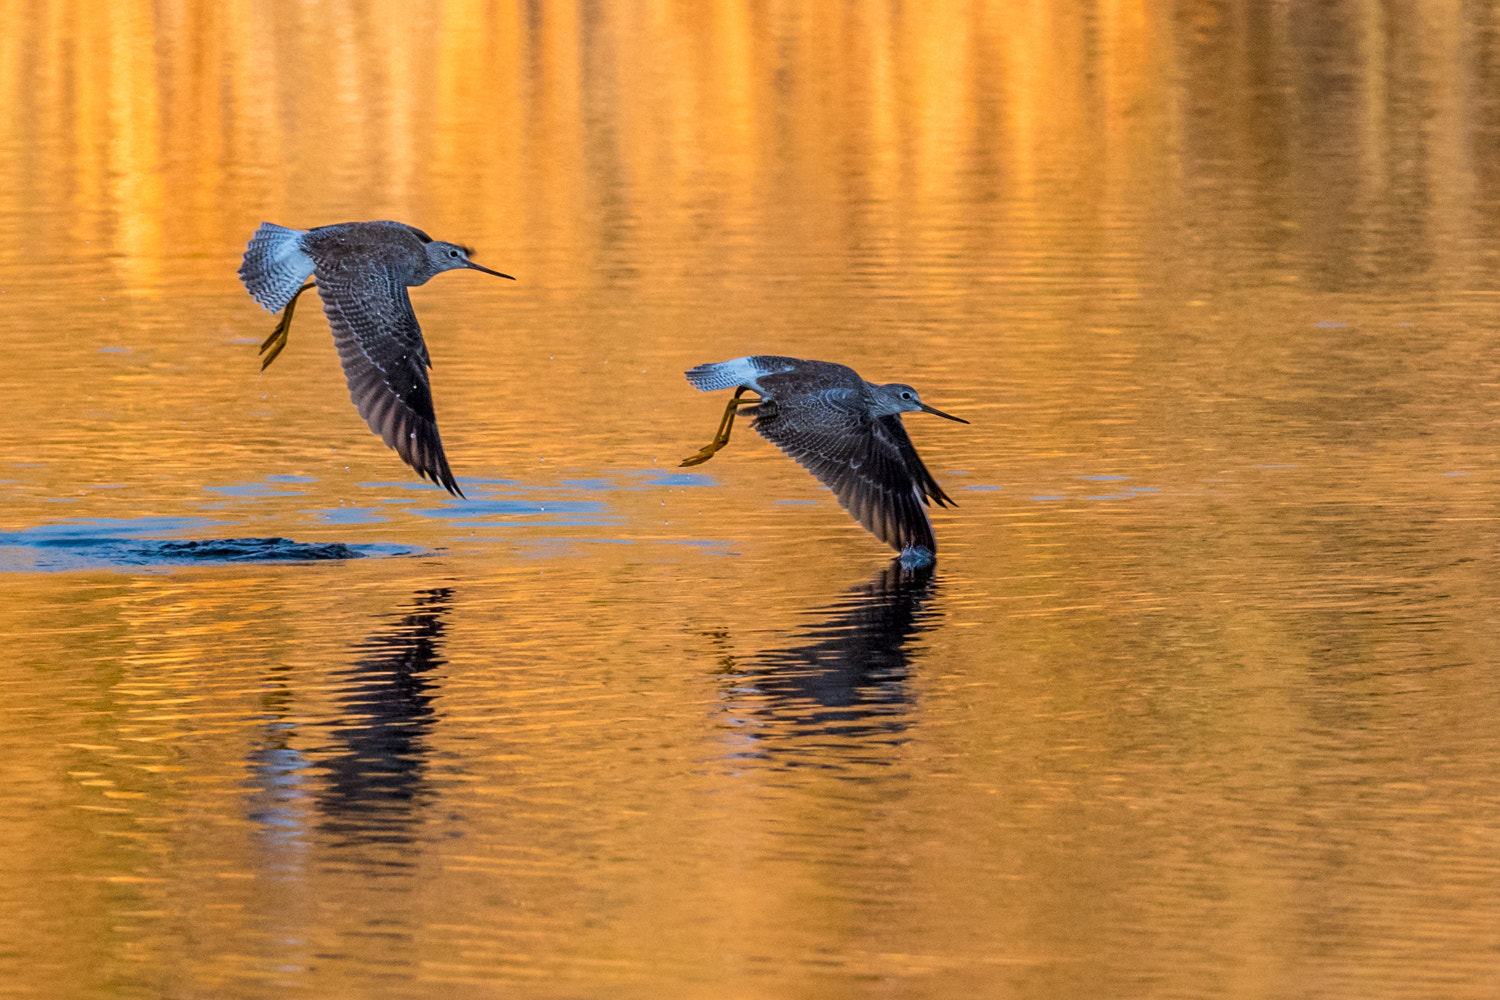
[
  {"x": 275, "y": 265},
  {"x": 727, "y": 374}
]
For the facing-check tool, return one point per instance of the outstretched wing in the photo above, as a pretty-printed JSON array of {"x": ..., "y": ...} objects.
[
  {"x": 385, "y": 362},
  {"x": 915, "y": 467},
  {"x": 868, "y": 462}
]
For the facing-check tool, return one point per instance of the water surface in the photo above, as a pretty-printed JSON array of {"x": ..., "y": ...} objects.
[{"x": 1199, "y": 699}]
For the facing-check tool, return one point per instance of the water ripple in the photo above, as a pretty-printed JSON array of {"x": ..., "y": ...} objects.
[{"x": 74, "y": 545}]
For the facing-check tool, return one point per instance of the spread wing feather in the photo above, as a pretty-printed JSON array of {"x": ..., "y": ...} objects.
[
  {"x": 869, "y": 463},
  {"x": 385, "y": 362}
]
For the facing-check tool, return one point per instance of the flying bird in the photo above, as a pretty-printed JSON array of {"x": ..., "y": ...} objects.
[
  {"x": 845, "y": 431},
  {"x": 362, "y": 271}
]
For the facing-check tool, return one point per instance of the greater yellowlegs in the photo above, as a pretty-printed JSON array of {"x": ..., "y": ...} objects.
[
  {"x": 845, "y": 431},
  {"x": 362, "y": 271}
]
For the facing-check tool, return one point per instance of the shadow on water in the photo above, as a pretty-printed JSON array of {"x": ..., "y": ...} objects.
[
  {"x": 839, "y": 691},
  {"x": 376, "y": 772}
]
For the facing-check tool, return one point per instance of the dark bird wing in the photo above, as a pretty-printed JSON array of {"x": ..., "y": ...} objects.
[
  {"x": 868, "y": 462},
  {"x": 385, "y": 361}
]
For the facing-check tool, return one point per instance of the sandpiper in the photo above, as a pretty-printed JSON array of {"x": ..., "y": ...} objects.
[
  {"x": 845, "y": 431},
  {"x": 362, "y": 271}
]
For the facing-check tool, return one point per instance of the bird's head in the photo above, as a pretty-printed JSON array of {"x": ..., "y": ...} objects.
[
  {"x": 450, "y": 256},
  {"x": 900, "y": 398}
]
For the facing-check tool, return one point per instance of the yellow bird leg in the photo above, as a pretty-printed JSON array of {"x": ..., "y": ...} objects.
[
  {"x": 276, "y": 342},
  {"x": 721, "y": 436}
]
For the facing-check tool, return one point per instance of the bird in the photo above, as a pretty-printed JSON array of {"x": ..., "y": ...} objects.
[
  {"x": 362, "y": 271},
  {"x": 847, "y": 432}
]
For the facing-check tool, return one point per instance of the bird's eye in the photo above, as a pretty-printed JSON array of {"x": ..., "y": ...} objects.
[
  {"x": 453, "y": 253},
  {"x": 906, "y": 395}
]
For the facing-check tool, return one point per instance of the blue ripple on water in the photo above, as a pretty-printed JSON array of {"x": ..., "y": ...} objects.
[
  {"x": 653, "y": 477},
  {"x": 255, "y": 490},
  {"x": 478, "y": 513},
  {"x": 348, "y": 515},
  {"x": 109, "y": 542}
]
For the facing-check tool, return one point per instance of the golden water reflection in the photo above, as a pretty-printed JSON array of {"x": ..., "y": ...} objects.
[{"x": 1198, "y": 702}]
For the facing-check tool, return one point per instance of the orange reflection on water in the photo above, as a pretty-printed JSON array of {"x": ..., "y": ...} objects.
[{"x": 1204, "y": 670}]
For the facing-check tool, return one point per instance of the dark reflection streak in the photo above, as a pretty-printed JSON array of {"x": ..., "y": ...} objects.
[
  {"x": 843, "y": 684},
  {"x": 376, "y": 776},
  {"x": 276, "y": 768}
]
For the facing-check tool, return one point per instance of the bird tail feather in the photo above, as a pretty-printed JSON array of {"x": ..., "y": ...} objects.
[
  {"x": 724, "y": 374},
  {"x": 275, "y": 265}
]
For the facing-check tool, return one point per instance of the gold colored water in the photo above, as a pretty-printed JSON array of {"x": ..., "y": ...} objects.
[{"x": 1199, "y": 700}]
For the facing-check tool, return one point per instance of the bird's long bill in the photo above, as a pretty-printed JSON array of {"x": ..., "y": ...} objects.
[
  {"x": 481, "y": 267},
  {"x": 939, "y": 413}
]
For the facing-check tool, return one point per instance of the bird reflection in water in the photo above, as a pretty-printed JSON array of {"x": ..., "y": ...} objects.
[
  {"x": 376, "y": 768},
  {"x": 277, "y": 801},
  {"x": 838, "y": 695}
]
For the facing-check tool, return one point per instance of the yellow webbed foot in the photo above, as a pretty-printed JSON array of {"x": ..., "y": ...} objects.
[
  {"x": 276, "y": 342},
  {"x": 708, "y": 451},
  {"x": 721, "y": 436}
]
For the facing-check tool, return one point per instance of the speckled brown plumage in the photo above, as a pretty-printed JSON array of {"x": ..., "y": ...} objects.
[
  {"x": 362, "y": 271},
  {"x": 845, "y": 431}
]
